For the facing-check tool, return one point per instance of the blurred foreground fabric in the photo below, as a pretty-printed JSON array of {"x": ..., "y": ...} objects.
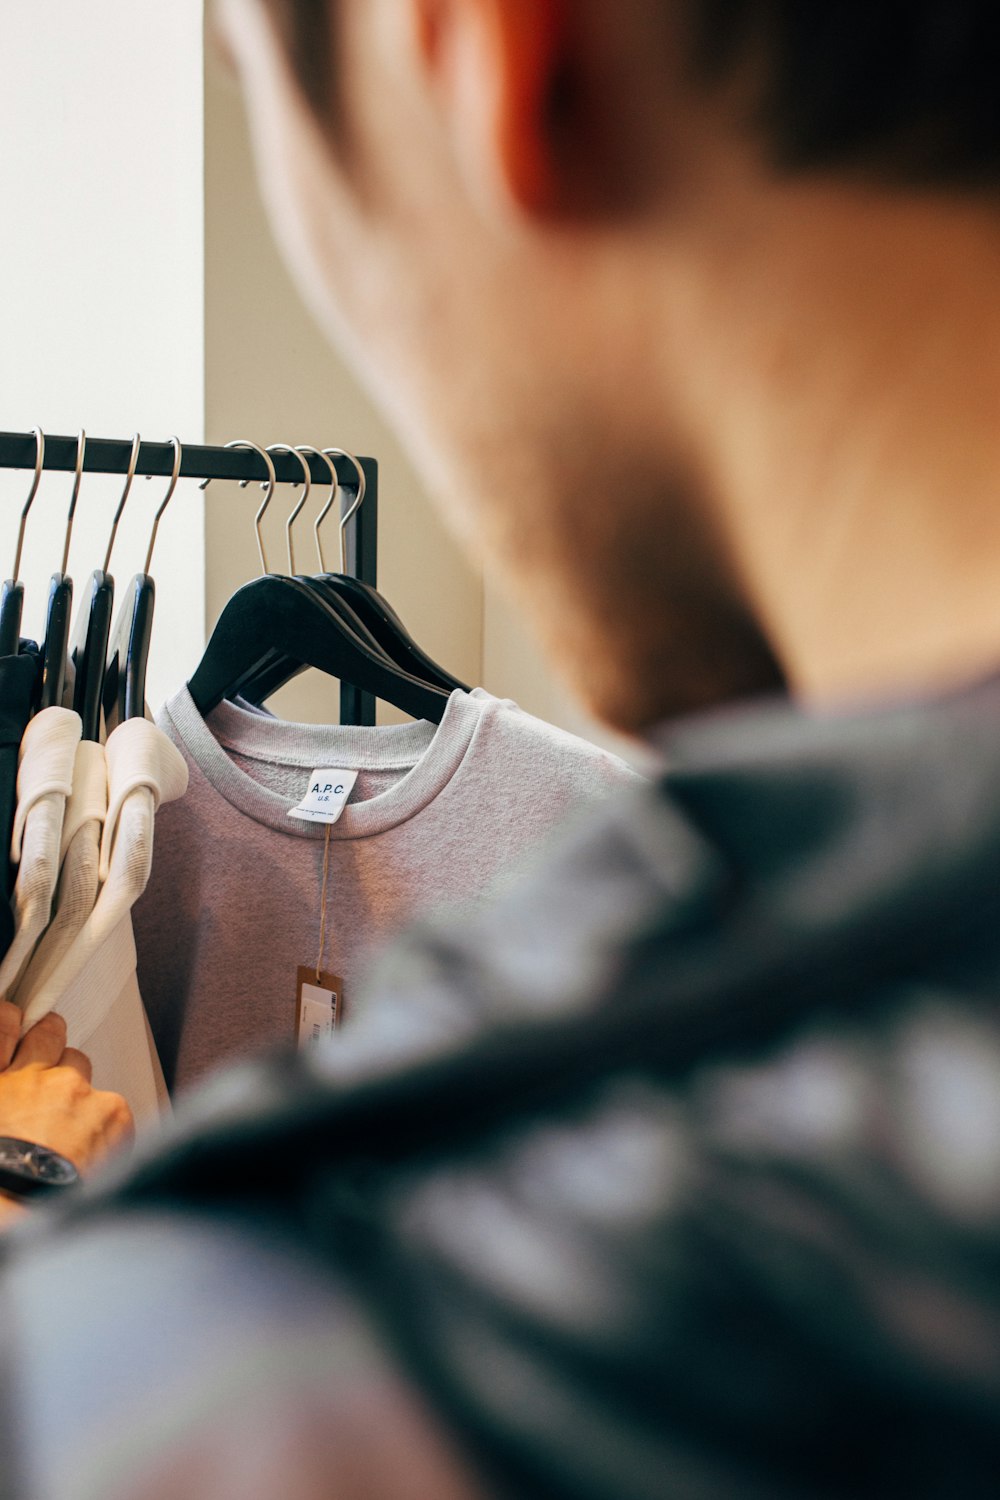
[{"x": 677, "y": 1173}]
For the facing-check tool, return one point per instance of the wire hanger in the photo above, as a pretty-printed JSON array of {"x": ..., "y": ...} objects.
[
  {"x": 133, "y": 460},
  {"x": 282, "y": 669},
  {"x": 12, "y": 594},
  {"x": 328, "y": 455},
  {"x": 284, "y": 619},
  {"x": 296, "y": 512},
  {"x": 89, "y": 650},
  {"x": 124, "y": 693},
  {"x": 268, "y": 487},
  {"x": 370, "y": 614}
]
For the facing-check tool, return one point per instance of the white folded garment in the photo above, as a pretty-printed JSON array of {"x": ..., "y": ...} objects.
[
  {"x": 79, "y": 877},
  {"x": 44, "y": 782},
  {"x": 94, "y": 986}
]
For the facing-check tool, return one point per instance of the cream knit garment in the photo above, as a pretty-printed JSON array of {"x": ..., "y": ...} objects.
[
  {"x": 94, "y": 985},
  {"x": 44, "y": 782},
  {"x": 79, "y": 878}
]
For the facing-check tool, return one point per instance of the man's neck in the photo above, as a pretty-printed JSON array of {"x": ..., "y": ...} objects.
[{"x": 855, "y": 450}]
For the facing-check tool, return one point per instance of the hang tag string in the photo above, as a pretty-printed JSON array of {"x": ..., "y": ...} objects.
[
  {"x": 319, "y": 996},
  {"x": 322, "y": 904}
]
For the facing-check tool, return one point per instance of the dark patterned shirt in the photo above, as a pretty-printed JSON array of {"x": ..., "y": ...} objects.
[{"x": 677, "y": 1173}]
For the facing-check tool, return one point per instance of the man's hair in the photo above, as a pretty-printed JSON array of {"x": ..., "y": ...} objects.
[
  {"x": 907, "y": 89},
  {"x": 303, "y": 27}
]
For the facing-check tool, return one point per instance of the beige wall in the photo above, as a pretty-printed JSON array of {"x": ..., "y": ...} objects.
[{"x": 269, "y": 375}]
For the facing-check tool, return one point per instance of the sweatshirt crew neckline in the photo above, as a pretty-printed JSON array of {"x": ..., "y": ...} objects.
[{"x": 429, "y": 756}]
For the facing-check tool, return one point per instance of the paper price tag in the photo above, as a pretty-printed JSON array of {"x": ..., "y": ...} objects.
[
  {"x": 326, "y": 796},
  {"x": 318, "y": 1007}
]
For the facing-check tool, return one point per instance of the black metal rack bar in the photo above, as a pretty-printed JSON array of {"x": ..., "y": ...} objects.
[
  {"x": 198, "y": 461},
  {"x": 201, "y": 461}
]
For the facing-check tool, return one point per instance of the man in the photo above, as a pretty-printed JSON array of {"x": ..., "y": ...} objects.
[{"x": 685, "y": 1179}]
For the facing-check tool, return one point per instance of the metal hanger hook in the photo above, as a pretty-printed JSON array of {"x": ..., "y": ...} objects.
[
  {"x": 334, "y": 487},
  {"x": 343, "y": 453},
  {"x": 175, "y": 443},
  {"x": 36, "y": 481},
  {"x": 133, "y": 459},
  {"x": 270, "y": 486},
  {"x": 307, "y": 481},
  {"x": 81, "y": 451}
]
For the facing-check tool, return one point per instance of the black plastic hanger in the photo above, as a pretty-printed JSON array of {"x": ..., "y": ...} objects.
[
  {"x": 124, "y": 693},
  {"x": 54, "y": 647},
  {"x": 373, "y": 611},
  {"x": 89, "y": 650},
  {"x": 368, "y": 613},
  {"x": 11, "y": 610},
  {"x": 281, "y": 615},
  {"x": 12, "y": 592},
  {"x": 387, "y": 629},
  {"x": 56, "y": 642},
  {"x": 281, "y": 669},
  {"x": 285, "y": 620}
]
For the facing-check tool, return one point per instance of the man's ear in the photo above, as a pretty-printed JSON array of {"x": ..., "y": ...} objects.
[
  {"x": 534, "y": 85},
  {"x": 509, "y": 72}
]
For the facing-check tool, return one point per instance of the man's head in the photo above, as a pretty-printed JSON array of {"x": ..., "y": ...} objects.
[{"x": 621, "y": 272}]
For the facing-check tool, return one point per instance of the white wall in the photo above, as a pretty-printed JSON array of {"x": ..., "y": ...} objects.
[{"x": 101, "y": 271}]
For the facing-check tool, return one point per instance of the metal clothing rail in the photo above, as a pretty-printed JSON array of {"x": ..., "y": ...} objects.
[
  {"x": 111, "y": 456},
  {"x": 200, "y": 461}
]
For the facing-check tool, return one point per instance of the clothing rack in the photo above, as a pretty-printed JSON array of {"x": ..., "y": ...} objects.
[{"x": 200, "y": 461}]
